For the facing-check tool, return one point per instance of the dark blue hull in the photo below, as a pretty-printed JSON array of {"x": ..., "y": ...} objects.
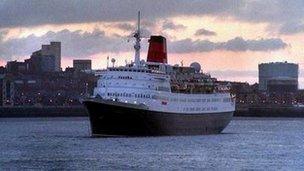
[{"x": 119, "y": 119}]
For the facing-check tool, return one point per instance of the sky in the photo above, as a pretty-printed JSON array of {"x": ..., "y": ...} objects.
[{"x": 229, "y": 38}]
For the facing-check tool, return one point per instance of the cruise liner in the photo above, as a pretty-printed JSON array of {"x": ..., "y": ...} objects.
[{"x": 153, "y": 98}]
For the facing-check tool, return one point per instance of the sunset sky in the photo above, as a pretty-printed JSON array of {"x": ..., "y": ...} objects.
[{"x": 229, "y": 38}]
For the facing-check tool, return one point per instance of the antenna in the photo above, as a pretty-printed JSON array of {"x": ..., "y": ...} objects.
[
  {"x": 108, "y": 62},
  {"x": 113, "y": 62},
  {"x": 137, "y": 43},
  {"x": 138, "y": 22}
]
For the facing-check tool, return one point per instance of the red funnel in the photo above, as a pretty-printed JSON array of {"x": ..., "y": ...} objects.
[{"x": 157, "y": 49}]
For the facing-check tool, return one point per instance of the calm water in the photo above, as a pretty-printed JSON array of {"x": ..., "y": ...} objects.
[{"x": 64, "y": 143}]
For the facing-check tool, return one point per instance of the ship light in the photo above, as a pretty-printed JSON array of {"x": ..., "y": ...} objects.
[
  {"x": 113, "y": 100},
  {"x": 126, "y": 101},
  {"x": 135, "y": 102}
]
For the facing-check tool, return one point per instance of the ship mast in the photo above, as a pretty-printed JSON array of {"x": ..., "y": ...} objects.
[{"x": 137, "y": 43}]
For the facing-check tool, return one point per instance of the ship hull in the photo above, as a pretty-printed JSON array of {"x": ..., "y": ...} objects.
[{"x": 110, "y": 118}]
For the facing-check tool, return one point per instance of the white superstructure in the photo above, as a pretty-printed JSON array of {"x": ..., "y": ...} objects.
[{"x": 152, "y": 88}]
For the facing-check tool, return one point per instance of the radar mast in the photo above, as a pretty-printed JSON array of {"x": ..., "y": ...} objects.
[{"x": 137, "y": 43}]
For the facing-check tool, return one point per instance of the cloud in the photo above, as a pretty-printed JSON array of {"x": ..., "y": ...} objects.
[
  {"x": 291, "y": 28},
  {"x": 3, "y": 33},
  {"x": 283, "y": 16},
  {"x": 16, "y": 13},
  {"x": 84, "y": 44},
  {"x": 125, "y": 26},
  {"x": 74, "y": 44},
  {"x": 169, "y": 25},
  {"x": 272, "y": 11},
  {"x": 204, "y": 32},
  {"x": 144, "y": 33},
  {"x": 237, "y": 44}
]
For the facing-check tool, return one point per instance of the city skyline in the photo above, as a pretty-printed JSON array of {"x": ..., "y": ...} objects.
[{"x": 228, "y": 38}]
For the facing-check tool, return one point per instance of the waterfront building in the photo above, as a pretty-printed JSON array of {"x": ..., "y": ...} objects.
[
  {"x": 16, "y": 67},
  {"x": 39, "y": 63},
  {"x": 53, "y": 49},
  {"x": 45, "y": 89},
  {"x": 278, "y": 77},
  {"x": 82, "y": 64}
]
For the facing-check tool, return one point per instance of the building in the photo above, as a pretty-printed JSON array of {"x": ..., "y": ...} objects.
[
  {"x": 46, "y": 89},
  {"x": 82, "y": 64},
  {"x": 278, "y": 77},
  {"x": 45, "y": 60},
  {"x": 16, "y": 67},
  {"x": 53, "y": 49},
  {"x": 7, "y": 90},
  {"x": 38, "y": 63}
]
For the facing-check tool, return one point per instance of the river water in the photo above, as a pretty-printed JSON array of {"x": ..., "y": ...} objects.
[{"x": 65, "y": 144}]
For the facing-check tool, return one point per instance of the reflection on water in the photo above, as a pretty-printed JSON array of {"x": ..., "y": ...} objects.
[{"x": 64, "y": 143}]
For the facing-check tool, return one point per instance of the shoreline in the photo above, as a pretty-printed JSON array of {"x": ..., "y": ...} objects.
[{"x": 47, "y": 111}]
